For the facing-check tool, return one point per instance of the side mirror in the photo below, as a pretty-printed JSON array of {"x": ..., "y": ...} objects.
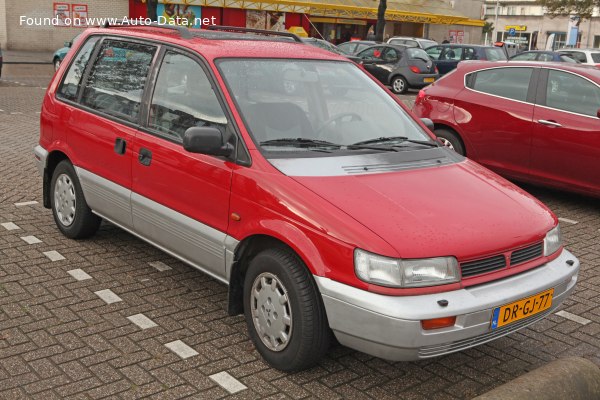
[
  {"x": 68, "y": 44},
  {"x": 206, "y": 140},
  {"x": 428, "y": 123},
  {"x": 598, "y": 113}
]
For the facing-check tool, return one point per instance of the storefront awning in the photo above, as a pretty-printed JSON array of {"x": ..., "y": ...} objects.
[{"x": 420, "y": 11}]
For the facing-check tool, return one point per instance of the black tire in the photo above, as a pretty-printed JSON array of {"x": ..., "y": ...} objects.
[
  {"x": 309, "y": 335},
  {"x": 399, "y": 85},
  {"x": 451, "y": 140},
  {"x": 84, "y": 223}
]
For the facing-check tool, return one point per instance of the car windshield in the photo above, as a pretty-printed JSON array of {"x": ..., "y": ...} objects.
[
  {"x": 495, "y": 54},
  {"x": 318, "y": 106}
]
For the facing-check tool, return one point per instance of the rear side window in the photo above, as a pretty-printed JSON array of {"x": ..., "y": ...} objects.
[
  {"x": 596, "y": 57},
  {"x": 578, "y": 55},
  {"x": 183, "y": 98},
  {"x": 72, "y": 81},
  {"x": 495, "y": 54},
  {"x": 572, "y": 93},
  {"x": 512, "y": 83},
  {"x": 118, "y": 78}
]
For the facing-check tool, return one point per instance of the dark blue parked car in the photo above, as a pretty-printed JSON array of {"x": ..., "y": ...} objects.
[
  {"x": 447, "y": 56},
  {"x": 541, "y": 55}
]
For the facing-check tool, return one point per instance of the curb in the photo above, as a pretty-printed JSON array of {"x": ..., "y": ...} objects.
[{"x": 571, "y": 378}]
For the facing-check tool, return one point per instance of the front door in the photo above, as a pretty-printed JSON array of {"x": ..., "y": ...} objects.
[
  {"x": 374, "y": 62},
  {"x": 566, "y": 141},
  {"x": 103, "y": 128},
  {"x": 180, "y": 200}
]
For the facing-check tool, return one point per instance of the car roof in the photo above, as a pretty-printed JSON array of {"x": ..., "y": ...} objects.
[
  {"x": 479, "y": 46},
  {"x": 216, "y": 44},
  {"x": 582, "y": 69}
]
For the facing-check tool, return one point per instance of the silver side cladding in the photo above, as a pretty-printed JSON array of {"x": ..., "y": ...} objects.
[{"x": 41, "y": 158}]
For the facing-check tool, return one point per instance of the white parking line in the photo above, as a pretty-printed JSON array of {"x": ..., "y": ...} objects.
[
  {"x": 181, "y": 349},
  {"x": 10, "y": 226},
  {"x": 108, "y": 296},
  {"x": 54, "y": 255},
  {"x": 16, "y": 113},
  {"x": 26, "y": 203},
  {"x": 159, "y": 265},
  {"x": 142, "y": 321},
  {"x": 79, "y": 274},
  {"x": 568, "y": 221},
  {"x": 30, "y": 239},
  {"x": 228, "y": 382},
  {"x": 573, "y": 317}
]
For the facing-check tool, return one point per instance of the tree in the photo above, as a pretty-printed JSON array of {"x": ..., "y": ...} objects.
[
  {"x": 581, "y": 8},
  {"x": 151, "y": 6},
  {"x": 380, "y": 20}
]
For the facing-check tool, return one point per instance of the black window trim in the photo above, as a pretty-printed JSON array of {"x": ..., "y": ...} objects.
[
  {"x": 531, "y": 90},
  {"x": 542, "y": 86}
]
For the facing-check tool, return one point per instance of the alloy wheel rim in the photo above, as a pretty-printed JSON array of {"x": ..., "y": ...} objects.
[
  {"x": 446, "y": 143},
  {"x": 399, "y": 85},
  {"x": 271, "y": 311},
  {"x": 65, "y": 199}
]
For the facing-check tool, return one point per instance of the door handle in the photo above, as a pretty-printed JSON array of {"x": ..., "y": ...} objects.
[
  {"x": 120, "y": 146},
  {"x": 145, "y": 157},
  {"x": 550, "y": 123}
]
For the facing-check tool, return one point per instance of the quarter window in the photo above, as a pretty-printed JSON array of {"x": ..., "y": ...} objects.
[
  {"x": 572, "y": 93},
  {"x": 72, "y": 82},
  {"x": 117, "y": 80},
  {"x": 183, "y": 98},
  {"x": 512, "y": 83}
]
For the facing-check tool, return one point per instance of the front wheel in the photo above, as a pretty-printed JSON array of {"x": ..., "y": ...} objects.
[
  {"x": 399, "y": 85},
  {"x": 71, "y": 213},
  {"x": 284, "y": 311}
]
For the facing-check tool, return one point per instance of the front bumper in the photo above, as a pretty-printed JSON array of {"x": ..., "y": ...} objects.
[
  {"x": 390, "y": 326},
  {"x": 41, "y": 155}
]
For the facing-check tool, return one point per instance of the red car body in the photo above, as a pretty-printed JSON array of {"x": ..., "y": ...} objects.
[
  {"x": 324, "y": 218},
  {"x": 528, "y": 139}
]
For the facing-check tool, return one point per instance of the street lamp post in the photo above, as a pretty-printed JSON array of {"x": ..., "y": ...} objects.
[{"x": 495, "y": 33}]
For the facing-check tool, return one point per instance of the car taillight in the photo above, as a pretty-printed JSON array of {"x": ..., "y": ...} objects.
[
  {"x": 420, "y": 96},
  {"x": 597, "y": 65},
  {"x": 437, "y": 71},
  {"x": 415, "y": 69}
]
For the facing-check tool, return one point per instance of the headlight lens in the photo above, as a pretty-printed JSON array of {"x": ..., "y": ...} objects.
[
  {"x": 552, "y": 241},
  {"x": 386, "y": 271}
]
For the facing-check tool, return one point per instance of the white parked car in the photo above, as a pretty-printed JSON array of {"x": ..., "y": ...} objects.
[
  {"x": 584, "y": 56},
  {"x": 412, "y": 41}
]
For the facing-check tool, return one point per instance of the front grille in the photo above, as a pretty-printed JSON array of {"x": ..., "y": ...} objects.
[
  {"x": 482, "y": 266},
  {"x": 528, "y": 253},
  {"x": 440, "y": 349}
]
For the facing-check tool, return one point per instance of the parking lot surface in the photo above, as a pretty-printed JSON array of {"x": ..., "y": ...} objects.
[{"x": 113, "y": 317}]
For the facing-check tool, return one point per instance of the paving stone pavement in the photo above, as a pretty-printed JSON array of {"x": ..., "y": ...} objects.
[{"x": 58, "y": 339}]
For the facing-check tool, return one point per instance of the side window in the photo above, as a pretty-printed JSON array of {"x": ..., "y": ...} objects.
[
  {"x": 434, "y": 52},
  {"x": 117, "y": 80},
  {"x": 512, "y": 83},
  {"x": 525, "y": 57},
  {"x": 412, "y": 43},
  {"x": 579, "y": 56},
  {"x": 346, "y": 47},
  {"x": 545, "y": 57},
  {"x": 451, "y": 54},
  {"x": 183, "y": 98},
  {"x": 373, "y": 54},
  {"x": 390, "y": 54},
  {"x": 469, "y": 53},
  {"x": 72, "y": 81},
  {"x": 572, "y": 93},
  {"x": 361, "y": 46}
]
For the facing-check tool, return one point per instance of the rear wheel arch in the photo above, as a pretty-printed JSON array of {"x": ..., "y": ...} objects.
[{"x": 54, "y": 158}]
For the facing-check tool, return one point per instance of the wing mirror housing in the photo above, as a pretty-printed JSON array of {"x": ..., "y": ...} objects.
[
  {"x": 428, "y": 123},
  {"x": 598, "y": 113},
  {"x": 68, "y": 44},
  {"x": 206, "y": 140}
]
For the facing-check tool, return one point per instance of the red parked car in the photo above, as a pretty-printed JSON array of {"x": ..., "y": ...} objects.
[
  {"x": 319, "y": 207},
  {"x": 533, "y": 122}
]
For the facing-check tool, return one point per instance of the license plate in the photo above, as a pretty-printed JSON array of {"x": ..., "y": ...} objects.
[
  {"x": 428, "y": 80},
  {"x": 522, "y": 309}
]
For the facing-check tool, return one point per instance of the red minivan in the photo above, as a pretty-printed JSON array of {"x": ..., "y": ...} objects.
[
  {"x": 324, "y": 208},
  {"x": 533, "y": 122}
]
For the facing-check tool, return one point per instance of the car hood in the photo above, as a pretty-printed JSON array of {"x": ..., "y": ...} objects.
[{"x": 460, "y": 209}]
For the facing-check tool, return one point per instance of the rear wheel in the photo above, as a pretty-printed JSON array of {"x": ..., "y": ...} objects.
[
  {"x": 399, "y": 85},
  {"x": 450, "y": 140},
  {"x": 71, "y": 213},
  {"x": 284, "y": 311}
]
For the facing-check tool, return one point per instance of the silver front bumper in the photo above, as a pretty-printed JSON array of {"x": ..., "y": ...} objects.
[{"x": 390, "y": 326}]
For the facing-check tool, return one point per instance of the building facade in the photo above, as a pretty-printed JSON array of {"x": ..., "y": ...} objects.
[
  {"x": 44, "y": 25},
  {"x": 528, "y": 23}
]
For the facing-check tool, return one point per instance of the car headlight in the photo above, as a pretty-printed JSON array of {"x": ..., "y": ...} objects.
[
  {"x": 552, "y": 241},
  {"x": 393, "y": 272}
]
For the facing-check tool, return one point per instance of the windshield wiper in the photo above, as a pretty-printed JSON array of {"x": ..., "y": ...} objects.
[
  {"x": 299, "y": 142},
  {"x": 395, "y": 139}
]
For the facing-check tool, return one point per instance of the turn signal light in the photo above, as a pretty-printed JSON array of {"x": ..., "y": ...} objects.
[
  {"x": 415, "y": 69},
  {"x": 438, "y": 323}
]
